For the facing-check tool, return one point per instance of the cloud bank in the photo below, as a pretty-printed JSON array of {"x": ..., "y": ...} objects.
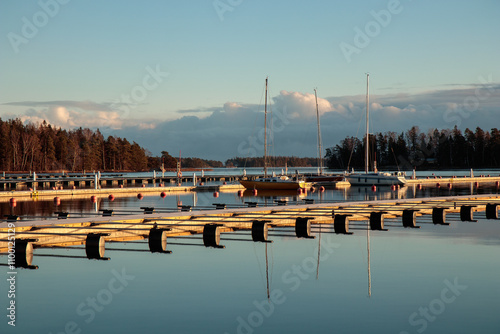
[{"x": 236, "y": 129}]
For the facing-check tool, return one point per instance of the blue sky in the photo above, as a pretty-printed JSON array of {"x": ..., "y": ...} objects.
[{"x": 189, "y": 75}]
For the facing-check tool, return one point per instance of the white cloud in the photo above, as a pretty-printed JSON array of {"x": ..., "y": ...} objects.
[
  {"x": 234, "y": 129},
  {"x": 301, "y": 105}
]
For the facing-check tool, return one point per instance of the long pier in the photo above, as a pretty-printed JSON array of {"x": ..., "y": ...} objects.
[
  {"x": 25, "y": 185},
  {"x": 18, "y": 182},
  {"x": 252, "y": 223}
]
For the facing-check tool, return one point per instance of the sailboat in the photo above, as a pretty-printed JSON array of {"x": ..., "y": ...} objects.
[
  {"x": 374, "y": 178},
  {"x": 320, "y": 178},
  {"x": 281, "y": 182}
]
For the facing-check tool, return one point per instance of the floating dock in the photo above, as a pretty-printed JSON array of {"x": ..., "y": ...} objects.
[{"x": 257, "y": 224}]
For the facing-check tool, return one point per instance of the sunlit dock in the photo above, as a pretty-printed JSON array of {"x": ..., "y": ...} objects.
[{"x": 252, "y": 223}]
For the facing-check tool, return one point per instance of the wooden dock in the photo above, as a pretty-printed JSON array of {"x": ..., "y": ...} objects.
[
  {"x": 153, "y": 228},
  {"x": 19, "y": 182}
]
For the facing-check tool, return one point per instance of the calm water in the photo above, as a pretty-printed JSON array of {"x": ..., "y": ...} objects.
[
  {"x": 45, "y": 207},
  {"x": 436, "y": 279}
]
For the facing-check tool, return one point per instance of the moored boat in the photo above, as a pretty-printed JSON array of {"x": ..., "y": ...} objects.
[
  {"x": 281, "y": 182},
  {"x": 374, "y": 178}
]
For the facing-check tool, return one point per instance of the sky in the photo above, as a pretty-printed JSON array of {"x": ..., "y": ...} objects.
[{"x": 189, "y": 75}]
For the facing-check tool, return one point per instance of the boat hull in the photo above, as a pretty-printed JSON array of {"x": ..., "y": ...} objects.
[
  {"x": 266, "y": 185},
  {"x": 375, "y": 180}
]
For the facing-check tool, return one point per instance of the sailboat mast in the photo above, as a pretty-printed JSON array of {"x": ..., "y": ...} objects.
[
  {"x": 320, "y": 160},
  {"x": 367, "y": 162},
  {"x": 265, "y": 133}
]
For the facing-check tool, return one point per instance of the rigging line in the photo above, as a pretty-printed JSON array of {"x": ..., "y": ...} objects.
[
  {"x": 395, "y": 159},
  {"x": 254, "y": 127}
]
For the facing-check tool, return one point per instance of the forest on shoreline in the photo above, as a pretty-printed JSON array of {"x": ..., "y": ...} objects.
[
  {"x": 436, "y": 149},
  {"x": 44, "y": 148}
]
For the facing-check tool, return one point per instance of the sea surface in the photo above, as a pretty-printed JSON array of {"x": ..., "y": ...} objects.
[{"x": 436, "y": 279}]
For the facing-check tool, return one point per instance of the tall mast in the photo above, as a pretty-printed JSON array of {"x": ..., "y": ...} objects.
[
  {"x": 265, "y": 133},
  {"x": 367, "y": 163},
  {"x": 320, "y": 159}
]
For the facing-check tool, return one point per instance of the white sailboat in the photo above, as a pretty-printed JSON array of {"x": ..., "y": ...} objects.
[
  {"x": 374, "y": 178},
  {"x": 281, "y": 182}
]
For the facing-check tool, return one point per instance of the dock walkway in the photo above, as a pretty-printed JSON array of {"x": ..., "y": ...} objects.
[{"x": 154, "y": 228}]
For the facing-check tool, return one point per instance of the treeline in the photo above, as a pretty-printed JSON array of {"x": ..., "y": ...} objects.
[
  {"x": 435, "y": 149},
  {"x": 200, "y": 163},
  {"x": 272, "y": 161},
  {"x": 46, "y": 148}
]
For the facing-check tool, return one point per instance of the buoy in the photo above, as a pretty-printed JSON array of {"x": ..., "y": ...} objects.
[
  {"x": 312, "y": 189},
  {"x": 240, "y": 193},
  {"x": 74, "y": 187},
  {"x": 161, "y": 185},
  {"x": 497, "y": 184},
  {"x": 216, "y": 194},
  {"x": 61, "y": 188},
  {"x": 144, "y": 186},
  {"x": 111, "y": 197},
  {"x": 476, "y": 184},
  {"x": 374, "y": 188},
  {"x": 450, "y": 186},
  {"x": 93, "y": 199},
  {"x": 13, "y": 202},
  {"x": 299, "y": 191},
  {"x": 53, "y": 188},
  {"x": 438, "y": 185},
  {"x": 121, "y": 185},
  {"x": 163, "y": 194},
  {"x": 254, "y": 192},
  {"x": 224, "y": 183},
  {"x": 393, "y": 187},
  {"x": 321, "y": 189},
  {"x": 419, "y": 186},
  {"x": 139, "y": 196},
  {"x": 57, "y": 201}
]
